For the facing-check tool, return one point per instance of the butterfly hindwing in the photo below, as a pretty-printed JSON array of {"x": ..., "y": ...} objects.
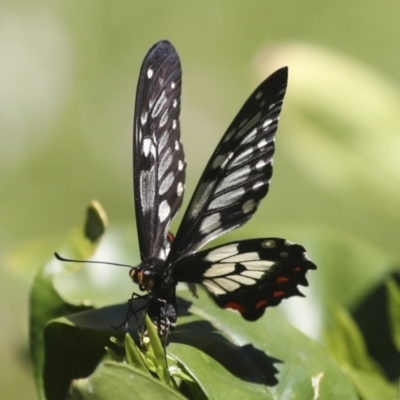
[
  {"x": 238, "y": 174},
  {"x": 159, "y": 164},
  {"x": 248, "y": 275}
]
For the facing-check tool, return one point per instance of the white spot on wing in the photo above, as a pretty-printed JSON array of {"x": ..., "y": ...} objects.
[
  {"x": 227, "y": 199},
  {"x": 229, "y": 134},
  {"x": 242, "y": 279},
  {"x": 165, "y": 162},
  {"x": 219, "y": 161},
  {"x": 248, "y": 126},
  {"x": 222, "y": 252},
  {"x": 179, "y": 189},
  {"x": 233, "y": 179},
  {"x": 163, "y": 211},
  {"x": 147, "y": 189},
  {"x": 174, "y": 103},
  {"x": 261, "y": 265},
  {"x": 262, "y": 143},
  {"x": 210, "y": 223},
  {"x": 176, "y": 145},
  {"x": 180, "y": 165},
  {"x": 259, "y": 94},
  {"x": 249, "y": 137},
  {"x": 150, "y": 73},
  {"x": 173, "y": 85},
  {"x": 253, "y": 274},
  {"x": 249, "y": 206},
  {"x": 243, "y": 157},
  {"x": 257, "y": 185},
  {"x": 268, "y": 244},
  {"x": 174, "y": 124},
  {"x": 227, "y": 284},
  {"x": 219, "y": 270},
  {"x": 261, "y": 164},
  {"x": 252, "y": 256},
  {"x": 166, "y": 184},
  {"x": 159, "y": 104},
  {"x": 163, "y": 141},
  {"x": 143, "y": 118},
  {"x": 200, "y": 198},
  {"x": 267, "y": 122},
  {"x": 146, "y": 146},
  {"x": 164, "y": 119},
  {"x": 213, "y": 287}
]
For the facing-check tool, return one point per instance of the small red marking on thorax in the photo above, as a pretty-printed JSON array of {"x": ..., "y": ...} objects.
[{"x": 170, "y": 237}]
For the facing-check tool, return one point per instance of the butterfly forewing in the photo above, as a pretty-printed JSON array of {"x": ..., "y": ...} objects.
[
  {"x": 248, "y": 275},
  {"x": 159, "y": 165},
  {"x": 238, "y": 174}
]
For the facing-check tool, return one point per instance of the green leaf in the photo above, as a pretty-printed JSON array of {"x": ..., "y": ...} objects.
[
  {"x": 45, "y": 301},
  {"x": 345, "y": 341},
  {"x": 133, "y": 355},
  {"x": 346, "y": 345},
  {"x": 370, "y": 385},
  {"x": 393, "y": 292},
  {"x": 268, "y": 358},
  {"x": 156, "y": 349},
  {"x": 118, "y": 381}
]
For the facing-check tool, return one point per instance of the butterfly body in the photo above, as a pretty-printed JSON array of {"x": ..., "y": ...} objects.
[
  {"x": 152, "y": 277},
  {"x": 246, "y": 276}
]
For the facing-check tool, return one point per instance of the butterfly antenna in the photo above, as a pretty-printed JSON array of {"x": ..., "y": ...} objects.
[{"x": 90, "y": 262}]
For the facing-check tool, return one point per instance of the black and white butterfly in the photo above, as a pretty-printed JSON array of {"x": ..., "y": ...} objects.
[{"x": 247, "y": 275}]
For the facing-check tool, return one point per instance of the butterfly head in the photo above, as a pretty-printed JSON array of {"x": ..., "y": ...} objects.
[{"x": 145, "y": 275}]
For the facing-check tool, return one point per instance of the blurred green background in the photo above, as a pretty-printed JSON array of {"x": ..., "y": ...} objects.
[{"x": 68, "y": 73}]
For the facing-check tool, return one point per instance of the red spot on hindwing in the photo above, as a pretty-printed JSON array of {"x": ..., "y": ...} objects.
[
  {"x": 261, "y": 303},
  {"x": 296, "y": 269},
  {"x": 278, "y": 293},
  {"x": 235, "y": 306},
  {"x": 281, "y": 279}
]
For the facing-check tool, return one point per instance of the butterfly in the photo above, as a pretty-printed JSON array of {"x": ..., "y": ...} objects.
[{"x": 246, "y": 276}]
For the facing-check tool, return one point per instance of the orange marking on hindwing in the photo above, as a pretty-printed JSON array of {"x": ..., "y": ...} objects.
[
  {"x": 261, "y": 303},
  {"x": 278, "y": 293},
  {"x": 281, "y": 279}
]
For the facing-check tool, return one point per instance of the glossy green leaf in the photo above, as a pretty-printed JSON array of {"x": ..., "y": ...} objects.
[
  {"x": 156, "y": 349},
  {"x": 370, "y": 385},
  {"x": 393, "y": 291},
  {"x": 118, "y": 381},
  {"x": 346, "y": 345},
  {"x": 45, "y": 301},
  {"x": 133, "y": 355},
  {"x": 267, "y": 358},
  {"x": 345, "y": 341}
]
